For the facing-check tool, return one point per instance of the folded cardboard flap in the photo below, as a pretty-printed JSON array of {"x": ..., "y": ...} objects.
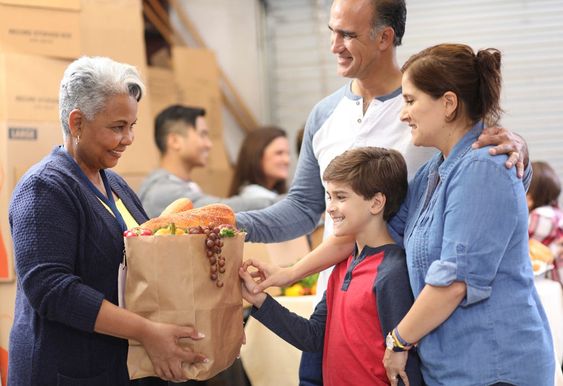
[
  {"x": 31, "y": 90},
  {"x": 168, "y": 280},
  {"x": 54, "y": 4}
]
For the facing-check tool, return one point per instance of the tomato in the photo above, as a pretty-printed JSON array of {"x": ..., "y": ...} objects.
[{"x": 138, "y": 231}]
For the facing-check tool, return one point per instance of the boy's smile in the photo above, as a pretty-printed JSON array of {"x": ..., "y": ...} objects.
[{"x": 349, "y": 211}]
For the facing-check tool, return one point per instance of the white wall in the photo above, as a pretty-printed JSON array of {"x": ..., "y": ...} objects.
[{"x": 232, "y": 29}]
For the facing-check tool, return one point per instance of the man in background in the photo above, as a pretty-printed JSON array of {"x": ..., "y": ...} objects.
[{"x": 182, "y": 137}]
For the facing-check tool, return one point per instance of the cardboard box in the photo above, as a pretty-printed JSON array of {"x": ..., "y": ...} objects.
[
  {"x": 283, "y": 254},
  {"x": 161, "y": 85},
  {"x": 213, "y": 181},
  {"x": 197, "y": 77},
  {"x": 29, "y": 87},
  {"x": 113, "y": 28},
  {"x": 218, "y": 159},
  {"x": 41, "y": 27}
]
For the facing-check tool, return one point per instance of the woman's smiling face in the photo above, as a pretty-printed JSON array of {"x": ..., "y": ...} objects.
[
  {"x": 424, "y": 114},
  {"x": 104, "y": 138}
]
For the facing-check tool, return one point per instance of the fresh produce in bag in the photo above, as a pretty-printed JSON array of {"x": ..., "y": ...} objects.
[{"x": 186, "y": 273}]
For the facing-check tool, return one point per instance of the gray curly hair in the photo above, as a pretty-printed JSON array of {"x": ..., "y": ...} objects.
[{"x": 89, "y": 81}]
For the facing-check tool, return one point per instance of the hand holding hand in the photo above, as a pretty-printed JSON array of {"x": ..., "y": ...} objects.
[
  {"x": 394, "y": 363},
  {"x": 161, "y": 341},
  {"x": 268, "y": 275},
  {"x": 505, "y": 142},
  {"x": 249, "y": 292}
]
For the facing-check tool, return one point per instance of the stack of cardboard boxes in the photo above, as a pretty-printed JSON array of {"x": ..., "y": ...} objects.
[
  {"x": 193, "y": 80},
  {"x": 38, "y": 39}
]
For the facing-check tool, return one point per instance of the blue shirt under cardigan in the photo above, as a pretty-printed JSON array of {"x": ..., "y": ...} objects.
[
  {"x": 67, "y": 248},
  {"x": 466, "y": 220}
]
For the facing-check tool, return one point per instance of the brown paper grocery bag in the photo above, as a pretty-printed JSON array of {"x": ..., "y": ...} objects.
[{"x": 168, "y": 280}]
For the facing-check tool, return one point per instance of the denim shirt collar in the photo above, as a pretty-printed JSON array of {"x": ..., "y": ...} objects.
[{"x": 443, "y": 166}]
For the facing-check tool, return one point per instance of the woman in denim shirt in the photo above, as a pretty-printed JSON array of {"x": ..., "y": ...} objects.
[{"x": 477, "y": 317}]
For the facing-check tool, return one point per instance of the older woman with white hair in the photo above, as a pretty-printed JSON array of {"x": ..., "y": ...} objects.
[{"x": 67, "y": 215}]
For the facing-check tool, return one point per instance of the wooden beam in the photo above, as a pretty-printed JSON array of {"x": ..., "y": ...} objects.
[
  {"x": 162, "y": 28},
  {"x": 249, "y": 123}
]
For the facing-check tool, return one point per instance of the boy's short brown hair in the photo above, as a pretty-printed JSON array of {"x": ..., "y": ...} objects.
[{"x": 371, "y": 170}]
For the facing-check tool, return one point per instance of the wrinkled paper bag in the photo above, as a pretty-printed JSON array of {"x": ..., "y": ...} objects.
[{"x": 168, "y": 281}]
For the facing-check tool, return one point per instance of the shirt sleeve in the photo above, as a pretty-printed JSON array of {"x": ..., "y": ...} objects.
[
  {"x": 237, "y": 203},
  {"x": 305, "y": 334},
  {"x": 296, "y": 214},
  {"x": 45, "y": 231},
  {"x": 480, "y": 218},
  {"x": 392, "y": 289}
]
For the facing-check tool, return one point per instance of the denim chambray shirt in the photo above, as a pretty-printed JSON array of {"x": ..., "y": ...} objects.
[{"x": 465, "y": 219}]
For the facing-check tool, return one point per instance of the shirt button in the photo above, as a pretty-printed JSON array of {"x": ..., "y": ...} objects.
[
  {"x": 359, "y": 120},
  {"x": 357, "y": 103}
]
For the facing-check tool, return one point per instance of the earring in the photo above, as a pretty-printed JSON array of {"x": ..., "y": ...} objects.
[{"x": 77, "y": 140}]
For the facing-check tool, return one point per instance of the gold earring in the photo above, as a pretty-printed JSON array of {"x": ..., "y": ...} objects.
[{"x": 77, "y": 141}]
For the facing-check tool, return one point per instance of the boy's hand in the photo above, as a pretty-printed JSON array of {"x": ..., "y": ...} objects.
[
  {"x": 268, "y": 275},
  {"x": 248, "y": 289},
  {"x": 505, "y": 142}
]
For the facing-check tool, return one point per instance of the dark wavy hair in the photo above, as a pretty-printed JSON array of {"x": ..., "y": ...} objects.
[
  {"x": 248, "y": 168},
  {"x": 545, "y": 186}
]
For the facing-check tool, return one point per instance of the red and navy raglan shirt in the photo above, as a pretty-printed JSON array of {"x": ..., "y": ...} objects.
[{"x": 368, "y": 294}]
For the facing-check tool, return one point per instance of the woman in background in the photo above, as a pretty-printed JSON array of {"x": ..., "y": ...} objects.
[
  {"x": 262, "y": 165},
  {"x": 546, "y": 219}
]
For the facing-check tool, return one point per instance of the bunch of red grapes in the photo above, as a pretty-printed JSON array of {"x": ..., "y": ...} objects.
[{"x": 213, "y": 247}]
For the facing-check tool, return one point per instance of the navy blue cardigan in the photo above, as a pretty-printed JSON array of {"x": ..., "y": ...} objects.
[{"x": 67, "y": 249}]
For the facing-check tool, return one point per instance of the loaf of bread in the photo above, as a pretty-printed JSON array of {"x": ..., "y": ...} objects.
[
  {"x": 214, "y": 214},
  {"x": 538, "y": 251},
  {"x": 180, "y": 205}
]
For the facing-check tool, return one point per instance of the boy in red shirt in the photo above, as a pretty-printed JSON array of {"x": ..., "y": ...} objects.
[{"x": 367, "y": 294}]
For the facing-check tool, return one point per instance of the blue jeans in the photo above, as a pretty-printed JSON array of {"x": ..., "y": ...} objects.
[{"x": 311, "y": 369}]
